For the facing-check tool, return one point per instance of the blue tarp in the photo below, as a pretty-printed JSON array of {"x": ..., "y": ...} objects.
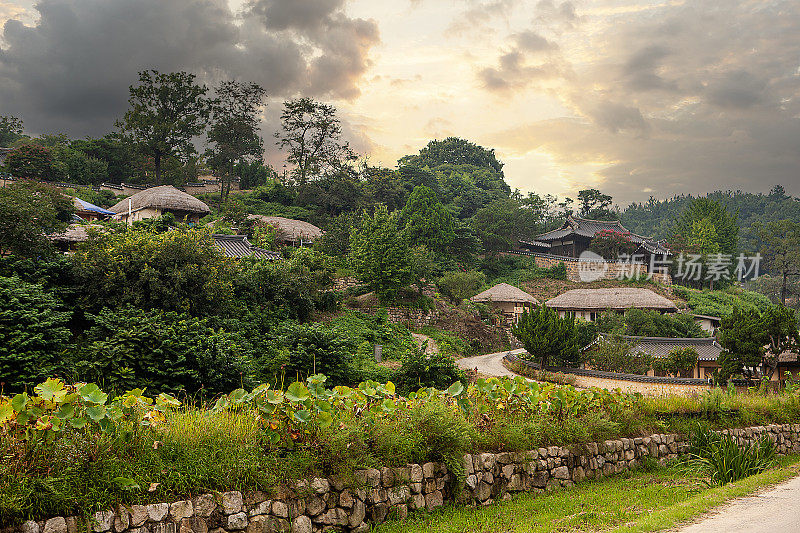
[{"x": 86, "y": 206}]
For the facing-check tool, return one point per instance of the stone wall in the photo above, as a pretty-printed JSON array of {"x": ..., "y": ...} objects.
[
  {"x": 344, "y": 283},
  {"x": 322, "y": 504},
  {"x": 606, "y": 270}
]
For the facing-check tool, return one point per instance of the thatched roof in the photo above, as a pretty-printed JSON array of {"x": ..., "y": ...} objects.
[
  {"x": 162, "y": 197},
  {"x": 617, "y": 299},
  {"x": 76, "y": 233},
  {"x": 503, "y": 292},
  {"x": 291, "y": 230}
]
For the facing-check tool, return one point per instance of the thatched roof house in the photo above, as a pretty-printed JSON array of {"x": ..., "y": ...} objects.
[
  {"x": 238, "y": 246},
  {"x": 503, "y": 292},
  {"x": 587, "y": 303},
  {"x": 74, "y": 234},
  {"x": 510, "y": 301},
  {"x": 291, "y": 231},
  {"x": 156, "y": 201}
]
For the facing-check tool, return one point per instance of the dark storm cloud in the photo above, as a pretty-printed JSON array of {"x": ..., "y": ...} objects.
[
  {"x": 679, "y": 98},
  {"x": 71, "y": 70}
]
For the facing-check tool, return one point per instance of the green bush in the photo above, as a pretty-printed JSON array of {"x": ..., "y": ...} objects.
[
  {"x": 427, "y": 370},
  {"x": 723, "y": 460},
  {"x": 128, "y": 348},
  {"x": 548, "y": 338},
  {"x": 646, "y": 323},
  {"x": 33, "y": 333},
  {"x": 677, "y": 361},
  {"x": 459, "y": 286},
  {"x": 615, "y": 355}
]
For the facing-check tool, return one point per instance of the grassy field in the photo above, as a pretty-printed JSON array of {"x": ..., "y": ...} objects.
[{"x": 633, "y": 502}]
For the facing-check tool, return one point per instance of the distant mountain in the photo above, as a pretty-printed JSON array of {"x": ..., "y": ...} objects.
[{"x": 656, "y": 217}]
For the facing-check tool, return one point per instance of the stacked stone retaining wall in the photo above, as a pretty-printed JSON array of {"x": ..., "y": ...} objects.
[
  {"x": 322, "y": 504},
  {"x": 607, "y": 270}
]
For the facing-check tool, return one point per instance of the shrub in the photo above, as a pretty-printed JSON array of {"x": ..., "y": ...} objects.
[
  {"x": 33, "y": 333},
  {"x": 615, "y": 355},
  {"x": 723, "y": 460},
  {"x": 162, "y": 351},
  {"x": 647, "y": 323},
  {"x": 427, "y": 370},
  {"x": 677, "y": 361},
  {"x": 548, "y": 338},
  {"x": 461, "y": 285}
]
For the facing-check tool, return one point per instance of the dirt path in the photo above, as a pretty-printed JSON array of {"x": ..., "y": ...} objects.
[
  {"x": 774, "y": 510},
  {"x": 432, "y": 346},
  {"x": 489, "y": 364}
]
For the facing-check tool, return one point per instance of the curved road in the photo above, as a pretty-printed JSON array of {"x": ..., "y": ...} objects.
[{"x": 489, "y": 364}]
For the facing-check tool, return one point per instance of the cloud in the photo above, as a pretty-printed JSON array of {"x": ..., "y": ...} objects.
[
  {"x": 528, "y": 58},
  {"x": 70, "y": 70}
]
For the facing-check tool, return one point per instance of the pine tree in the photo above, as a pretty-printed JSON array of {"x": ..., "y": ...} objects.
[{"x": 548, "y": 338}]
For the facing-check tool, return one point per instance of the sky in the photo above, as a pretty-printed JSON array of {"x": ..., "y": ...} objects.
[{"x": 635, "y": 98}]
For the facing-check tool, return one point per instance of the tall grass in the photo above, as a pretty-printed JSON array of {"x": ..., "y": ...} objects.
[{"x": 723, "y": 460}]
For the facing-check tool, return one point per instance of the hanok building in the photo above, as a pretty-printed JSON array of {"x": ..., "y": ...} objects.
[
  {"x": 508, "y": 300},
  {"x": 707, "y": 348},
  {"x": 708, "y": 323},
  {"x": 575, "y": 235},
  {"x": 156, "y": 201},
  {"x": 290, "y": 231},
  {"x": 238, "y": 246},
  {"x": 588, "y": 304}
]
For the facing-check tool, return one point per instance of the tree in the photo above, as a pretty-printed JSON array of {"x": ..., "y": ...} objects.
[
  {"x": 32, "y": 161},
  {"x": 780, "y": 325},
  {"x": 453, "y": 151},
  {"x": 743, "y": 339},
  {"x": 30, "y": 211},
  {"x": 312, "y": 134},
  {"x": 460, "y": 285},
  {"x": 693, "y": 226},
  {"x": 426, "y": 220},
  {"x": 595, "y": 205},
  {"x": 548, "y": 338},
  {"x": 780, "y": 246},
  {"x": 33, "y": 334},
  {"x": 615, "y": 355},
  {"x": 379, "y": 253},
  {"x": 10, "y": 130},
  {"x": 233, "y": 134},
  {"x": 612, "y": 244},
  {"x": 676, "y": 362},
  {"x": 119, "y": 156},
  {"x": 166, "y": 112},
  {"x": 704, "y": 239}
]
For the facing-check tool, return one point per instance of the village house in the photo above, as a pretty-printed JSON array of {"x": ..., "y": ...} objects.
[
  {"x": 588, "y": 304},
  {"x": 575, "y": 235},
  {"x": 87, "y": 211},
  {"x": 156, "y": 201},
  {"x": 238, "y": 246},
  {"x": 708, "y": 323},
  {"x": 509, "y": 301},
  {"x": 290, "y": 231},
  {"x": 707, "y": 348}
]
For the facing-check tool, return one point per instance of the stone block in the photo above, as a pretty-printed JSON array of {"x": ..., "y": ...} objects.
[
  {"x": 280, "y": 509},
  {"x": 357, "y": 514},
  {"x": 302, "y": 524},
  {"x": 428, "y": 470},
  {"x": 104, "y": 520},
  {"x": 434, "y": 500},
  {"x": 195, "y": 524},
  {"x": 29, "y": 526},
  {"x": 314, "y": 506},
  {"x": 346, "y": 499},
  {"x": 562, "y": 472},
  {"x": 320, "y": 485},
  {"x": 138, "y": 515},
  {"x": 398, "y": 495},
  {"x": 236, "y": 522},
  {"x": 416, "y": 473},
  {"x": 258, "y": 509},
  {"x": 55, "y": 525},
  {"x": 182, "y": 509},
  {"x": 417, "y": 502},
  {"x": 387, "y": 477},
  {"x": 232, "y": 502}
]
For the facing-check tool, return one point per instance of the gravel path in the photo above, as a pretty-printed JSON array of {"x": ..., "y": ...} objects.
[
  {"x": 489, "y": 364},
  {"x": 772, "y": 511}
]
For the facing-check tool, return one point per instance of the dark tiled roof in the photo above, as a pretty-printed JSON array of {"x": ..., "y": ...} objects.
[
  {"x": 537, "y": 244},
  {"x": 239, "y": 246},
  {"x": 708, "y": 349},
  {"x": 589, "y": 228}
]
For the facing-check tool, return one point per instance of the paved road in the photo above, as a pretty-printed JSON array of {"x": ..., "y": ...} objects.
[
  {"x": 776, "y": 510},
  {"x": 490, "y": 364}
]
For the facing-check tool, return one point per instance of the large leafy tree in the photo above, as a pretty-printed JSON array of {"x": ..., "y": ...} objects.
[
  {"x": 454, "y": 151},
  {"x": 311, "y": 133},
  {"x": 233, "y": 134},
  {"x": 10, "y": 130},
  {"x": 33, "y": 333},
  {"x": 32, "y": 161},
  {"x": 595, "y": 205},
  {"x": 693, "y": 227},
  {"x": 426, "y": 221},
  {"x": 379, "y": 252},
  {"x": 30, "y": 211},
  {"x": 743, "y": 339},
  {"x": 548, "y": 338},
  {"x": 780, "y": 325},
  {"x": 118, "y": 155},
  {"x": 780, "y": 246},
  {"x": 167, "y": 111}
]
